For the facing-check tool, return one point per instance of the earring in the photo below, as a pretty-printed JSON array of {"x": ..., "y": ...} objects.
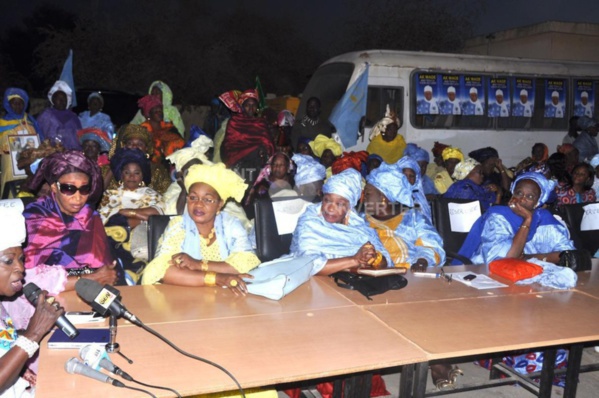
[
  {"x": 142, "y": 184},
  {"x": 121, "y": 183},
  {"x": 346, "y": 221}
]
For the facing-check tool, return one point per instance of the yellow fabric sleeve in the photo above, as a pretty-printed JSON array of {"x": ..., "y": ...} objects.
[
  {"x": 243, "y": 261},
  {"x": 170, "y": 243}
]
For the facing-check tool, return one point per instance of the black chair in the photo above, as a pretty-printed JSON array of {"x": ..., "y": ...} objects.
[
  {"x": 269, "y": 243},
  {"x": 572, "y": 216},
  {"x": 156, "y": 226},
  {"x": 452, "y": 240}
]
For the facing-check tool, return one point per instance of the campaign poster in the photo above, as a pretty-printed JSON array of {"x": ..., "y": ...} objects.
[
  {"x": 450, "y": 94},
  {"x": 426, "y": 94},
  {"x": 555, "y": 98},
  {"x": 473, "y": 103},
  {"x": 523, "y": 97},
  {"x": 499, "y": 97},
  {"x": 584, "y": 98}
]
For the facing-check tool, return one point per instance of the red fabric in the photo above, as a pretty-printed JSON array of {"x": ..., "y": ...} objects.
[
  {"x": 514, "y": 269},
  {"x": 165, "y": 141},
  {"x": 352, "y": 160},
  {"x": 247, "y": 94},
  {"x": 148, "y": 102},
  {"x": 245, "y": 135},
  {"x": 438, "y": 149}
]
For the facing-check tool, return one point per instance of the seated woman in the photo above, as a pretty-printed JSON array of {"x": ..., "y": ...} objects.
[
  {"x": 451, "y": 157},
  {"x": 405, "y": 232},
  {"x": 128, "y": 207},
  {"x": 333, "y": 231},
  {"x": 421, "y": 156},
  {"x": 64, "y": 232},
  {"x": 165, "y": 136},
  {"x": 274, "y": 177},
  {"x": 134, "y": 136},
  {"x": 309, "y": 177},
  {"x": 384, "y": 139},
  {"x": 94, "y": 117},
  {"x": 205, "y": 247},
  {"x": 59, "y": 123},
  {"x": 411, "y": 169},
  {"x": 96, "y": 144},
  {"x": 537, "y": 162},
  {"x": 469, "y": 178},
  {"x": 497, "y": 177},
  {"x": 581, "y": 188},
  {"x": 327, "y": 150},
  {"x": 521, "y": 230},
  {"x": 163, "y": 92},
  {"x": 17, "y": 347}
]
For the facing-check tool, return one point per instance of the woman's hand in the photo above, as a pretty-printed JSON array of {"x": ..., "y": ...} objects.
[
  {"x": 129, "y": 213},
  {"x": 105, "y": 275},
  {"x": 43, "y": 319},
  {"x": 233, "y": 282},
  {"x": 520, "y": 210},
  {"x": 420, "y": 265},
  {"x": 364, "y": 254},
  {"x": 185, "y": 261}
]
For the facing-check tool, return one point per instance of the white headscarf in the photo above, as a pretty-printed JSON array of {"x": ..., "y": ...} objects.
[
  {"x": 198, "y": 150},
  {"x": 381, "y": 126},
  {"x": 65, "y": 88},
  {"x": 11, "y": 214}
]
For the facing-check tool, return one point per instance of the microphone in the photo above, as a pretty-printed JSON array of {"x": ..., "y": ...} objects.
[
  {"x": 95, "y": 356},
  {"x": 32, "y": 292},
  {"x": 75, "y": 366},
  {"x": 103, "y": 299}
]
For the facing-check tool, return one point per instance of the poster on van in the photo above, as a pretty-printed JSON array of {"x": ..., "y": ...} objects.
[
  {"x": 523, "y": 97},
  {"x": 426, "y": 93},
  {"x": 555, "y": 98},
  {"x": 449, "y": 95},
  {"x": 499, "y": 97},
  {"x": 473, "y": 99},
  {"x": 584, "y": 98}
]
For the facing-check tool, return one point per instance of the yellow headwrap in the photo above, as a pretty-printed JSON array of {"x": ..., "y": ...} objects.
[
  {"x": 322, "y": 142},
  {"x": 452, "y": 153},
  {"x": 198, "y": 148},
  {"x": 224, "y": 181}
]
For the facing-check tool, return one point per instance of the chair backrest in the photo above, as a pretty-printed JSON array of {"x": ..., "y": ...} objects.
[
  {"x": 156, "y": 226},
  {"x": 583, "y": 221},
  {"x": 273, "y": 216},
  {"x": 453, "y": 219}
]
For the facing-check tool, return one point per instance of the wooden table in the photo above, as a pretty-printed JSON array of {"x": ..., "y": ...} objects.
[{"x": 312, "y": 333}]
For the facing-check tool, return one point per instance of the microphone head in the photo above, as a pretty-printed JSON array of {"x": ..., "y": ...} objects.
[
  {"x": 71, "y": 365},
  {"x": 31, "y": 291},
  {"x": 101, "y": 298},
  {"x": 87, "y": 289}
]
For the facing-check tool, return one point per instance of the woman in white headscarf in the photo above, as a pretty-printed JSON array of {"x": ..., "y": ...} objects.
[
  {"x": 385, "y": 140},
  {"x": 59, "y": 123},
  {"x": 469, "y": 178}
]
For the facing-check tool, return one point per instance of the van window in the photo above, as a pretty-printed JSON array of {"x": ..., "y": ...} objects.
[
  {"x": 328, "y": 84},
  {"x": 378, "y": 98}
]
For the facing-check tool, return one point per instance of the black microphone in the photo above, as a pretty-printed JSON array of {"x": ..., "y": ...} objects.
[
  {"x": 32, "y": 292},
  {"x": 75, "y": 366},
  {"x": 103, "y": 299}
]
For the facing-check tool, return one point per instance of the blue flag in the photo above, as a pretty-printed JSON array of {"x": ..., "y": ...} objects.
[
  {"x": 350, "y": 109},
  {"x": 67, "y": 76}
]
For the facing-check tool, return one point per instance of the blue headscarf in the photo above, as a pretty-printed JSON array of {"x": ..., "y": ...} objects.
[
  {"x": 391, "y": 181},
  {"x": 595, "y": 161},
  {"x": 416, "y": 153},
  {"x": 308, "y": 169},
  {"x": 585, "y": 122},
  {"x": 417, "y": 191},
  {"x": 347, "y": 184},
  {"x": 10, "y": 92},
  {"x": 124, "y": 156},
  {"x": 546, "y": 186}
]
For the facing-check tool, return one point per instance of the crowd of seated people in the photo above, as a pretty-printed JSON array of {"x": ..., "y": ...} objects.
[{"x": 96, "y": 190}]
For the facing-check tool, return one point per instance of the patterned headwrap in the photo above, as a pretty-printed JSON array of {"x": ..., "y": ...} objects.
[
  {"x": 595, "y": 161},
  {"x": 285, "y": 118},
  {"x": 124, "y": 156},
  {"x": 381, "y": 126},
  {"x": 224, "y": 181},
  {"x": 58, "y": 164},
  {"x": 9, "y": 94},
  {"x": 416, "y": 153},
  {"x": 347, "y": 184},
  {"x": 96, "y": 94},
  {"x": 266, "y": 170},
  {"x": 354, "y": 160},
  {"x": 231, "y": 100},
  {"x": 452, "y": 153},
  {"x": 438, "y": 149},
  {"x": 390, "y": 180},
  {"x": 585, "y": 123},
  {"x": 197, "y": 150},
  {"x": 308, "y": 169},
  {"x": 128, "y": 132},
  {"x": 247, "y": 94},
  {"x": 464, "y": 168},
  {"x": 417, "y": 190},
  {"x": 482, "y": 154},
  {"x": 546, "y": 186},
  {"x": 96, "y": 135},
  {"x": 11, "y": 214},
  {"x": 65, "y": 88},
  {"x": 322, "y": 142},
  {"x": 545, "y": 155},
  {"x": 147, "y": 103}
]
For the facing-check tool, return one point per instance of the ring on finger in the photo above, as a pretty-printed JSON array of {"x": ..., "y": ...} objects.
[
  {"x": 55, "y": 305},
  {"x": 233, "y": 282},
  {"x": 178, "y": 260}
]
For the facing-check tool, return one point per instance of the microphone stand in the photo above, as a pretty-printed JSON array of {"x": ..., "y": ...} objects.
[{"x": 113, "y": 346}]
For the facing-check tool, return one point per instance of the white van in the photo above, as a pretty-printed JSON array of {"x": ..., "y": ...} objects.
[{"x": 478, "y": 116}]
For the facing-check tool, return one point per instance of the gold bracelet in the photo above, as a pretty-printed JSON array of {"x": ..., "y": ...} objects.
[
  {"x": 210, "y": 279},
  {"x": 524, "y": 226},
  {"x": 132, "y": 213},
  {"x": 377, "y": 261},
  {"x": 204, "y": 266}
]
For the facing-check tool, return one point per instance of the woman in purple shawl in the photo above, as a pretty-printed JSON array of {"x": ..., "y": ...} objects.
[
  {"x": 59, "y": 123},
  {"x": 64, "y": 231}
]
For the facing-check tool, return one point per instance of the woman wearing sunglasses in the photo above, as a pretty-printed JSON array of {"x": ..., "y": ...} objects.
[
  {"x": 66, "y": 238},
  {"x": 205, "y": 247}
]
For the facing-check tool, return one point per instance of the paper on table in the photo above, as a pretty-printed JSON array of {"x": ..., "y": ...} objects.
[
  {"x": 463, "y": 215},
  {"x": 287, "y": 212},
  {"x": 480, "y": 282},
  {"x": 590, "y": 219}
]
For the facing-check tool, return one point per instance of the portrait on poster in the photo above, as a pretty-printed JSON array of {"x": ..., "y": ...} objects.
[
  {"x": 499, "y": 97},
  {"x": 426, "y": 91},
  {"x": 523, "y": 97},
  {"x": 555, "y": 98},
  {"x": 584, "y": 98},
  {"x": 473, "y": 99},
  {"x": 450, "y": 94}
]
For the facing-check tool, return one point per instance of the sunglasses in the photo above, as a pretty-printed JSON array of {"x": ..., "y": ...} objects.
[{"x": 69, "y": 190}]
